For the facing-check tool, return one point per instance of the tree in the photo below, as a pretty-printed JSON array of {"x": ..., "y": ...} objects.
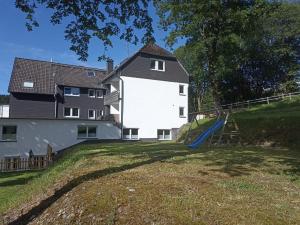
[
  {"x": 4, "y": 99},
  {"x": 213, "y": 26},
  {"x": 243, "y": 47},
  {"x": 199, "y": 92},
  {"x": 93, "y": 18}
]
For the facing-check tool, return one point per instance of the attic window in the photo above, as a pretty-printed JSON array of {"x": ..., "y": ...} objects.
[
  {"x": 158, "y": 65},
  {"x": 28, "y": 84},
  {"x": 91, "y": 74}
]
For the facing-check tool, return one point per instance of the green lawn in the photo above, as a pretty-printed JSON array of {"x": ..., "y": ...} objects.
[
  {"x": 166, "y": 183},
  {"x": 160, "y": 183}
]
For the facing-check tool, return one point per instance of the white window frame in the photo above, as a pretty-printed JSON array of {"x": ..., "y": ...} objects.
[
  {"x": 72, "y": 94},
  {"x": 28, "y": 84},
  {"x": 183, "y": 93},
  {"x": 94, "y": 112},
  {"x": 99, "y": 91},
  {"x": 156, "y": 65},
  {"x": 87, "y": 131},
  {"x": 93, "y": 96},
  {"x": 11, "y": 139},
  {"x": 164, "y": 135},
  {"x": 100, "y": 114},
  {"x": 130, "y": 134},
  {"x": 71, "y": 112},
  {"x": 182, "y": 116}
]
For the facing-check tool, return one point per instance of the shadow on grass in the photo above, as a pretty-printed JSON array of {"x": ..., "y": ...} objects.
[
  {"x": 232, "y": 161},
  {"x": 17, "y": 178},
  {"x": 155, "y": 156}
]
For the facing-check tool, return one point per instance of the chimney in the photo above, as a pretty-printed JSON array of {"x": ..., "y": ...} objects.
[{"x": 110, "y": 66}]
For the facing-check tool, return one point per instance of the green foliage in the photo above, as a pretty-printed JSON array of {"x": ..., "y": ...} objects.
[
  {"x": 4, "y": 99},
  {"x": 89, "y": 18},
  {"x": 240, "y": 48}
]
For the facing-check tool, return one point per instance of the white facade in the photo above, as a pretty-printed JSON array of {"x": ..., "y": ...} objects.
[
  {"x": 36, "y": 134},
  {"x": 4, "y": 111},
  {"x": 150, "y": 105}
]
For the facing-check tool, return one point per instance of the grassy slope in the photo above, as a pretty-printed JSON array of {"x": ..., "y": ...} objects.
[
  {"x": 165, "y": 183},
  {"x": 277, "y": 123}
]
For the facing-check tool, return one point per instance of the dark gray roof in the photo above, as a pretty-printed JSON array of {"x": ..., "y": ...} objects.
[
  {"x": 150, "y": 49},
  {"x": 153, "y": 49},
  {"x": 45, "y": 75}
]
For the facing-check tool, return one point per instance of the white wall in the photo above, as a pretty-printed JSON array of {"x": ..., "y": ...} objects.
[
  {"x": 4, "y": 111},
  {"x": 60, "y": 134},
  {"x": 151, "y": 104}
]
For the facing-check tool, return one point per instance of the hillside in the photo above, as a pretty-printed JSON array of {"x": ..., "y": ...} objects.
[
  {"x": 167, "y": 183},
  {"x": 276, "y": 124}
]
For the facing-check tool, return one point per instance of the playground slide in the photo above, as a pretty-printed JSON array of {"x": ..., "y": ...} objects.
[{"x": 202, "y": 137}]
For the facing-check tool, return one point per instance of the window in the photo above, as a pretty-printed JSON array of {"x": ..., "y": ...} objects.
[
  {"x": 92, "y": 114},
  {"x": 71, "y": 112},
  {"x": 158, "y": 65},
  {"x": 28, "y": 84},
  {"x": 87, "y": 132},
  {"x": 181, "y": 111},
  {"x": 163, "y": 134},
  {"x": 181, "y": 89},
  {"x": 131, "y": 134},
  {"x": 9, "y": 133},
  {"x": 99, "y": 94},
  {"x": 70, "y": 91},
  {"x": 91, "y": 93},
  {"x": 92, "y": 132},
  {"x": 91, "y": 74},
  {"x": 99, "y": 114}
]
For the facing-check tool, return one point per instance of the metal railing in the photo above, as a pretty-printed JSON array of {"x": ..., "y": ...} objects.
[{"x": 248, "y": 103}]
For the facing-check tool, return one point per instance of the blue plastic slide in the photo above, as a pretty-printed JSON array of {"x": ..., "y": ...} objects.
[{"x": 202, "y": 137}]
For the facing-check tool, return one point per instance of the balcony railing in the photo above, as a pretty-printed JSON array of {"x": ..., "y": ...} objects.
[{"x": 111, "y": 98}]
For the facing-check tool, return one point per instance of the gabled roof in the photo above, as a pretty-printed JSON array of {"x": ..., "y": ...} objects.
[
  {"x": 45, "y": 75},
  {"x": 154, "y": 49},
  {"x": 150, "y": 49}
]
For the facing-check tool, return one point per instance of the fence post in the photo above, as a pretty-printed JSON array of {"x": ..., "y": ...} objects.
[
  {"x": 290, "y": 95},
  {"x": 268, "y": 100},
  {"x": 282, "y": 95}
]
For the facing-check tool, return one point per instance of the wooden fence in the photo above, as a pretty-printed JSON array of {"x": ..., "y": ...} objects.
[
  {"x": 247, "y": 104},
  {"x": 20, "y": 164},
  {"x": 33, "y": 162}
]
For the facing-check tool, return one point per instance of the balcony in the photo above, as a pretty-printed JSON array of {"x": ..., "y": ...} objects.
[{"x": 112, "y": 98}]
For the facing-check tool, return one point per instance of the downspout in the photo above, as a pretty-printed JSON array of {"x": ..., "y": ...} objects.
[
  {"x": 122, "y": 105},
  {"x": 55, "y": 97}
]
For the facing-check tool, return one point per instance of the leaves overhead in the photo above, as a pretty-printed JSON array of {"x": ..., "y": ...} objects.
[{"x": 87, "y": 19}]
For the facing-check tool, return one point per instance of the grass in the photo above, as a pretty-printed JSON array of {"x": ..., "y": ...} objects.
[
  {"x": 161, "y": 183},
  {"x": 166, "y": 183},
  {"x": 276, "y": 124}
]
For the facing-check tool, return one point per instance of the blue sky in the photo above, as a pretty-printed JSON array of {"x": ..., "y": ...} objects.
[{"x": 47, "y": 41}]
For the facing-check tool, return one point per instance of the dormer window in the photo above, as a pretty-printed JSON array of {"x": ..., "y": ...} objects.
[
  {"x": 91, "y": 73},
  {"x": 28, "y": 84},
  {"x": 158, "y": 65}
]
